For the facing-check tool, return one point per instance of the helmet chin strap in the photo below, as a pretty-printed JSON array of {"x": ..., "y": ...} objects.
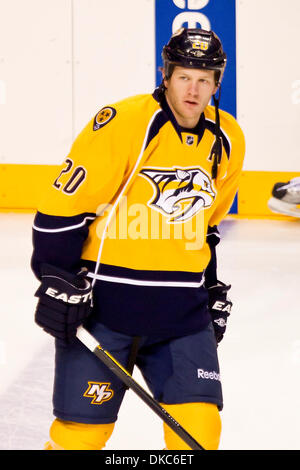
[{"x": 216, "y": 151}]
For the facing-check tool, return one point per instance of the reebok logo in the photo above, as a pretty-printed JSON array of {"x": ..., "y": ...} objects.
[{"x": 210, "y": 375}]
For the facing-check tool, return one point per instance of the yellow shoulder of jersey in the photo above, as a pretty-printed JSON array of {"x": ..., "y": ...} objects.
[
  {"x": 99, "y": 158},
  {"x": 233, "y": 133},
  {"x": 127, "y": 117},
  {"x": 228, "y": 124}
]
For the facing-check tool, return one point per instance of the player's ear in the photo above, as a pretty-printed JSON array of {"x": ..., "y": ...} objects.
[
  {"x": 163, "y": 72},
  {"x": 216, "y": 89}
]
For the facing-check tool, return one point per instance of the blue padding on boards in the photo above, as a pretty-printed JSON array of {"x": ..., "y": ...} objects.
[{"x": 217, "y": 15}]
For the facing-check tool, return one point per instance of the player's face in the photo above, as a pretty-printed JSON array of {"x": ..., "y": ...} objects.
[{"x": 188, "y": 93}]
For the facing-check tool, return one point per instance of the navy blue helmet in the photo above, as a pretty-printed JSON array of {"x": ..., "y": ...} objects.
[{"x": 194, "y": 48}]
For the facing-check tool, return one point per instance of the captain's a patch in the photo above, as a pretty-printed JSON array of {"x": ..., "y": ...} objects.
[{"x": 104, "y": 116}]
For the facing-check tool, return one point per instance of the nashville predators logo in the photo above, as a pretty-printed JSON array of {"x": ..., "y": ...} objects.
[
  {"x": 103, "y": 117},
  {"x": 99, "y": 392},
  {"x": 180, "y": 193}
]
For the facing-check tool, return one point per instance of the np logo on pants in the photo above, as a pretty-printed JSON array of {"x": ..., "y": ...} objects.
[{"x": 99, "y": 392}]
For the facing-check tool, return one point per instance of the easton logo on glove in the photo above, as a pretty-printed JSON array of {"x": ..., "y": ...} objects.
[
  {"x": 65, "y": 301},
  {"x": 222, "y": 306},
  {"x": 219, "y": 307},
  {"x": 72, "y": 299},
  {"x": 221, "y": 322}
]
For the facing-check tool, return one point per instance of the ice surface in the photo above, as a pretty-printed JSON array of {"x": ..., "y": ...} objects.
[{"x": 259, "y": 356}]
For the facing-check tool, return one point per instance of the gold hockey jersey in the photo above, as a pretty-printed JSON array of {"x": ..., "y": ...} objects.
[{"x": 133, "y": 202}]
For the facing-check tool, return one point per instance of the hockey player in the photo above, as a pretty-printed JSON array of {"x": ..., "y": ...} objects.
[
  {"x": 286, "y": 197},
  {"x": 115, "y": 248}
]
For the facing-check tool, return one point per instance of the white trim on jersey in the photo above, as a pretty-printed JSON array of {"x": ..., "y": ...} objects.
[
  {"x": 136, "y": 282},
  {"x": 63, "y": 229},
  {"x": 215, "y": 234},
  {"x": 123, "y": 191}
]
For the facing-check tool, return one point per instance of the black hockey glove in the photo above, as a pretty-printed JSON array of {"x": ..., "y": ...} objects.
[
  {"x": 219, "y": 307},
  {"x": 65, "y": 300}
]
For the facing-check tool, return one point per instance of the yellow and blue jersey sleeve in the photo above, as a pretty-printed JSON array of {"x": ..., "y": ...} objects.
[{"x": 89, "y": 179}]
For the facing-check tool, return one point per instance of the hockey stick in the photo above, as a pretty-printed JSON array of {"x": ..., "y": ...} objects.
[{"x": 92, "y": 344}]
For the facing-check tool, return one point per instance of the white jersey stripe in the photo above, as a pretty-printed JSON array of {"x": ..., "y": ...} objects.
[
  {"x": 63, "y": 229},
  {"x": 136, "y": 282},
  {"x": 113, "y": 209}
]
